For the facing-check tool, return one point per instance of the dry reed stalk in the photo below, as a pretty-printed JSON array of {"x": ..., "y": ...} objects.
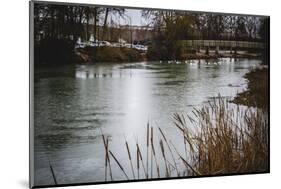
[
  {"x": 138, "y": 163},
  {"x": 221, "y": 143},
  {"x": 164, "y": 157},
  {"x": 105, "y": 162},
  {"x": 53, "y": 174},
  {"x": 120, "y": 166},
  {"x": 105, "y": 147},
  {"x": 184, "y": 161},
  {"x": 154, "y": 155},
  {"x": 129, "y": 154},
  {"x": 151, "y": 159},
  {"x": 185, "y": 148},
  {"x": 170, "y": 150},
  {"x": 140, "y": 156},
  {"x": 147, "y": 146},
  {"x": 228, "y": 142},
  {"x": 108, "y": 159}
]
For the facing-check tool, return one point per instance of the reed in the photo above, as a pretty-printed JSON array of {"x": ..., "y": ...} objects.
[
  {"x": 217, "y": 139},
  {"x": 107, "y": 159},
  {"x": 53, "y": 174},
  {"x": 224, "y": 143},
  {"x": 170, "y": 150},
  {"x": 141, "y": 160},
  {"x": 151, "y": 158},
  {"x": 52, "y": 171},
  {"x": 147, "y": 146},
  {"x": 164, "y": 157},
  {"x": 129, "y": 154},
  {"x": 138, "y": 163},
  {"x": 105, "y": 166},
  {"x": 119, "y": 164},
  {"x": 186, "y": 164},
  {"x": 154, "y": 155}
]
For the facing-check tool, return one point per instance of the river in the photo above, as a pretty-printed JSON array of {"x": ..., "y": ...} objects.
[{"x": 74, "y": 103}]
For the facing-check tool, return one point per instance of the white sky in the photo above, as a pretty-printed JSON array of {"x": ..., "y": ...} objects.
[{"x": 135, "y": 15}]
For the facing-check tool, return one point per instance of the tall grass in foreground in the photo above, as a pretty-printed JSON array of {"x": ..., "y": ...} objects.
[{"x": 217, "y": 139}]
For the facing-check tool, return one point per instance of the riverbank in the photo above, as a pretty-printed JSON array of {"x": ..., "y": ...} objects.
[
  {"x": 108, "y": 54},
  {"x": 257, "y": 93},
  {"x": 60, "y": 52},
  {"x": 123, "y": 54}
]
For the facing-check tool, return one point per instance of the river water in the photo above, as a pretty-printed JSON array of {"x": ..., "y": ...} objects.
[{"x": 74, "y": 104}]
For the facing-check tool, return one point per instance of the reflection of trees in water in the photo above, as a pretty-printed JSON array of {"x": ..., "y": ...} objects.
[
  {"x": 59, "y": 121},
  {"x": 66, "y": 132},
  {"x": 53, "y": 142}
]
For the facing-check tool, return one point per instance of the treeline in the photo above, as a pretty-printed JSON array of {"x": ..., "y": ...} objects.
[
  {"x": 172, "y": 26},
  {"x": 71, "y": 21},
  {"x": 57, "y": 28}
]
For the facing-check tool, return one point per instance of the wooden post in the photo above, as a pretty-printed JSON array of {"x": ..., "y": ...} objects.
[{"x": 217, "y": 49}]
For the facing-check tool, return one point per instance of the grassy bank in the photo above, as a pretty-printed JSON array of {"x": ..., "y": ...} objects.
[
  {"x": 108, "y": 54},
  {"x": 215, "y": 142},
  {"x": 257, "y": 93}
]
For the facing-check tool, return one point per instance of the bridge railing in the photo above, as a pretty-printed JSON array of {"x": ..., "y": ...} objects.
[{"x": 222, "y": 43}]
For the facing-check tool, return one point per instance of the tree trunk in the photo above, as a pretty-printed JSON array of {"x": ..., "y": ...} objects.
[
  {"x": 104, "y": 30},
  {"x": 87, "y": 24},
  {"x": 95, "y": 24},
  {"x": 52, "y": 23}
]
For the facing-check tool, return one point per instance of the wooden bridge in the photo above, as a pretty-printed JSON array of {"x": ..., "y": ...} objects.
[{"x": 222, "y": 44}]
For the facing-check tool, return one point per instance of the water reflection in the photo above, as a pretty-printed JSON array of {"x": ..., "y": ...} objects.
[{"x": 73, "y": 104}]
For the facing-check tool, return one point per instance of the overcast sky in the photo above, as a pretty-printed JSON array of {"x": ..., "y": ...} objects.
[{"x": 135, "y": 15}]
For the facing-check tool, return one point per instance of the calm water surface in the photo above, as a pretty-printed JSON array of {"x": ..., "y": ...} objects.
[{"x": 74, "y": 103}]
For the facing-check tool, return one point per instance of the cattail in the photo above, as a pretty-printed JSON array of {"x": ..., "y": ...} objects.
[
  {"x": 138, "y": 164},
  {"x": 154, "y": 155},
  {"x": 163, "y": 154},
  {"x": 145, "y": 172}
]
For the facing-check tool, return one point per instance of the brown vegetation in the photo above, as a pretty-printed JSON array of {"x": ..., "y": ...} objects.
[
  {"x": 257, "y": 93},
  {"x": 108, "y": 54},
  {"x": 218, "y": 139}
]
